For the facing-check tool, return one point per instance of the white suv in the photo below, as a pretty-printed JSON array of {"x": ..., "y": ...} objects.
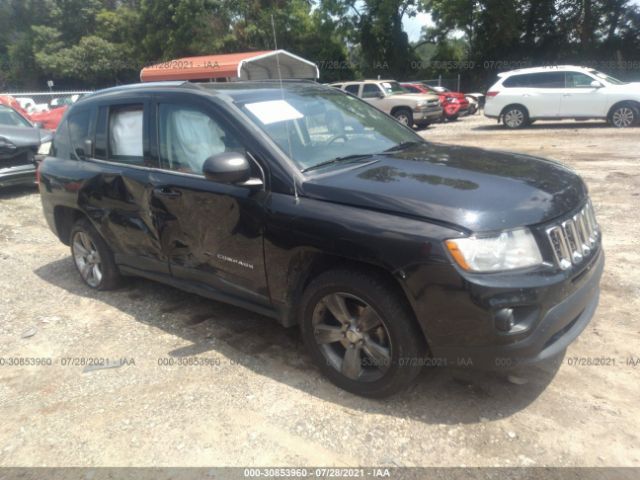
[{"x": 549, "y": 93}]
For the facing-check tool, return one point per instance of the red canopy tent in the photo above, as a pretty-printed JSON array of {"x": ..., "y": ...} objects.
[{"x": 261, "y": 65}]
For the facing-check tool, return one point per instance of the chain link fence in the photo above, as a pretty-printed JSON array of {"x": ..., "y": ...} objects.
[{"x": 37, "y": 102}]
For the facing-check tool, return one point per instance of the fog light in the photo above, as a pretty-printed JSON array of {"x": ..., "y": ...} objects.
[{"x": 504, "y": 319}]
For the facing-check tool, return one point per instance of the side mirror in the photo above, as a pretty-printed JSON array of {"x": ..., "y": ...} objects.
[
  {"x": 38, "y": 125},
  {"x": 380, "y": 95},
  {"x": 596, "y": 84},
  {"x": 227, "y": 167}
]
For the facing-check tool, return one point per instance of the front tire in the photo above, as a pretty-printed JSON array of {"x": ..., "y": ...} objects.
[
  {"x": 624, "y": 116},
  {"x": 515, "y": 117},
  {"x": 404, "y": 116},
  {"x": 360, "y": 333},
  {"x": 93, "y": 258}
]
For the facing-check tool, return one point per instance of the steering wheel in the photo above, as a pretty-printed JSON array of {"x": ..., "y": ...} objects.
[{"x": 336, "y": 137}]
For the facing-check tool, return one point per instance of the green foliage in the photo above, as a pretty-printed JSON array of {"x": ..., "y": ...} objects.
[
  {"x": 94, "y": 43},
  {"x": 537, "y": 32}
]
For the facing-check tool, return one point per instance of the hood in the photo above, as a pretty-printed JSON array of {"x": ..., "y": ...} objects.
[
  {"x": 22, "y": 136},
  {"x": 629, "y": 87},
  {"x": 475, "y": 189}
]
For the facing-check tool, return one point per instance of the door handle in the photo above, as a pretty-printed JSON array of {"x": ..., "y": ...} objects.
[{"x": 166, "y": 192}]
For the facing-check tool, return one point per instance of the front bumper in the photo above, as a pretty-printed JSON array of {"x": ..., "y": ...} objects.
[
  {"x": 18, "y": 175},
  {"x": 553, "y": 310},
  {"x": 558, "y": 327},
  {"x": 430, "y": 115}
]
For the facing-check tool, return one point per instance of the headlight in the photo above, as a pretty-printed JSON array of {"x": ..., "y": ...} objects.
[
  {"x": 44, "y": 148},
  {"x": 452, "y": 100},
  {"x": 506, "y": 251}
]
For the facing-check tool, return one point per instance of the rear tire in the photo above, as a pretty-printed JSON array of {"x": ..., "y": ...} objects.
[
  {"x": 515, "y": 116},
  {"x": 404, "y": 116},
  {"x": 360, "y": 333},
  {"x": 93, "y": 257},
  {"x": 624, "y": 115}
]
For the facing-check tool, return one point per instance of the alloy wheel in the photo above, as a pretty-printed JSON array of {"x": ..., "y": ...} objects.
[
  {"x": 352, "y": 337},
  {"x": 87, "y": 259},
  {"x": 623, "y": 117}
]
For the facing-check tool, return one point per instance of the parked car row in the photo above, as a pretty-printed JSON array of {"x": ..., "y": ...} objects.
[
  {"x": 411, "y": 103},
  {"x": 454, "y": 104},
  {"x": 308, "y": 205},
  {"x": 30, "y": 106},
  {"x": 48, "y": 119},
  {"x": 391, "y": 98}
]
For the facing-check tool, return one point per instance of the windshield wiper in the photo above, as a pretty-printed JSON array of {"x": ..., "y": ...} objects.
[
  {"x": 404, "y": 145},
  {"x": 338, "y": 160},
  {"x": 400, "y": 146}
]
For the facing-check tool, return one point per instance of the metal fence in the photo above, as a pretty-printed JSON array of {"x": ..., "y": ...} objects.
[
  {"x": 43, "y": 101},
  {"x": 450, "y": 83}
]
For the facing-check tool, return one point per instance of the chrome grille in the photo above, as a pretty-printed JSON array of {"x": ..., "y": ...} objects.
[{"x": 575, "y": 238}]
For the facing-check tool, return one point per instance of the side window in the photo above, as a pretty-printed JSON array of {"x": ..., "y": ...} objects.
[
  {"x": 78, "y": 125},
  {"x": 578, "y": 80},
  {"x": 411, "y": 89},
  {"x": 547, "y": 80},
  {"x": 353, "y": 89},
  {"x": 188, "y": 136},
  {"x": 126, "y": 134},
  {"x": 517, "y": 81},
  {"x": 370, "y": 90},
  {"x": 61, "y": 148}
]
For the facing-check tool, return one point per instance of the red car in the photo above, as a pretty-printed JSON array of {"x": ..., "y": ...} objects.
[
  {"x": 50, "y": 119},
  {"x": 453, "y": 104}
]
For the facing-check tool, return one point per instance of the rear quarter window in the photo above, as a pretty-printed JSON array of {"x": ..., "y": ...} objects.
[
  {"x": 70, "y": 140},
  {"x": 61, "y": 147}
]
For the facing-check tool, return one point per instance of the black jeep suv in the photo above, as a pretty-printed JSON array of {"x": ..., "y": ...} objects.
[{"x": 307, "y": 205}]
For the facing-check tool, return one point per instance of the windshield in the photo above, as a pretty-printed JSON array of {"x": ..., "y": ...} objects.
[
  {"x": 391, "y": 88},
  {"x": 607, "y": 78},
  {"x": 314, "y": 127},
  {"x": 11, "y": 118}
]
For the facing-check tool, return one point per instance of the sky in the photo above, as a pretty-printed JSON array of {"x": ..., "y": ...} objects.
[{"x": 413, "y": 26}]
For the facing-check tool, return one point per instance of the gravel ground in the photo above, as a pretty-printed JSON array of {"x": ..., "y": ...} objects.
[{"x": 246, "y": 393}]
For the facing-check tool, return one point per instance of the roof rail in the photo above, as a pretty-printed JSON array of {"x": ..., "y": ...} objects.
[{"x": 130, "y": 86}]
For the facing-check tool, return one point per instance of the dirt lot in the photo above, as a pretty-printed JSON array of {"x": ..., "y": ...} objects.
[{"x": 259, "y": 401}]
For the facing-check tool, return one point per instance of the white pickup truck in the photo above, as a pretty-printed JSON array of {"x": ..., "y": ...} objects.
[{"x": 388, "y": 96}]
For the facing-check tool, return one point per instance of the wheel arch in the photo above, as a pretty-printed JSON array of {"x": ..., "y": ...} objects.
[
  {"x": 397, "y": 108},
  {"x": 65, "y": 218},
  {"x": 634, "y": 103},
  {"x": 309, "y": 265},
  {"x": 515, "y": 104}
]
